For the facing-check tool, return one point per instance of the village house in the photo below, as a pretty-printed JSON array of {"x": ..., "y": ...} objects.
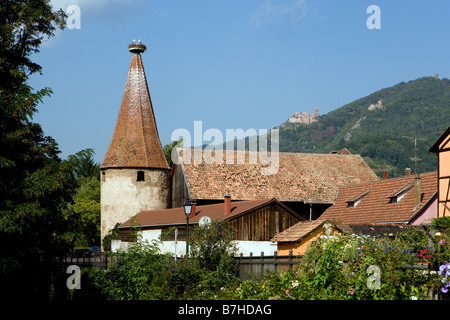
[
  {"x": 442, "y": 149},
  {"x": 381, "y": 208},
  {"x": 411, "y": 200},
  {"x": 297, "y": 238}
]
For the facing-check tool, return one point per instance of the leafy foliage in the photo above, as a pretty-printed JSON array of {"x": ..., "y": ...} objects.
[
  {"x": 210, "y": 265},
  {"x": 340, "y": 267},
  {"x": 35, "y": 184},
  {"x": 86, "y": 205},
  {"x": 131, "y": 277},
  {"x": 168, "y": 149},
  {"x": 345, "y": 268},
  {"x": 85, "y": 165}
]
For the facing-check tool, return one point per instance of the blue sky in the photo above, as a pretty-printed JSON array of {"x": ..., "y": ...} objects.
[{"x": 231, "y": 64}]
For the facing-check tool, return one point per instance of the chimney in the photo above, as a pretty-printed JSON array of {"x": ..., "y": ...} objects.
[
  {"x": 227, "y": 202},
  {"x": 408, "y": 172},
  {"x": 417, "y": 191},
  {"x": 194, "y": 205}
]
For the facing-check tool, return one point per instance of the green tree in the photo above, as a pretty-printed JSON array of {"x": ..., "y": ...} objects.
[
  {"x": 168, "y": 148},
  {"x": 35, "y": 184},
  {"x": 85, "y": 165},
  {"x": 86, "y": 205}
]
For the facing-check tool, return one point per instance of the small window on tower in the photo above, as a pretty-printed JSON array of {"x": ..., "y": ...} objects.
[
  {"x": 103, "y": 176},
  {"x": 140, "y": 176}
]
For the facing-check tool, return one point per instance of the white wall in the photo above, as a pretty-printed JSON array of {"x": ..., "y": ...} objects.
[
  {"x": 122, "y": 196},
  {"x": 244, "y": 247},
  {"x": 256, "y": 247}
]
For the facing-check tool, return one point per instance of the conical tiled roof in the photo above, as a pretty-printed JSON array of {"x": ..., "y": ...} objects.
[{"x": 135, "y": 142}]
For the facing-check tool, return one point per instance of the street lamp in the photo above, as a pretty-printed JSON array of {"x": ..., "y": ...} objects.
[{"x": 187, "y": 211}]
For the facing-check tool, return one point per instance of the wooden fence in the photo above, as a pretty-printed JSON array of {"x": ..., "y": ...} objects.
[
  {"x": 254, "y": 267},
  {"x": 250, "y": 267},
  {"x": 96, "y": 260}
]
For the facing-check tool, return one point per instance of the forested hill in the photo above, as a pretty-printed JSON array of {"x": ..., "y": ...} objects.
[{"x": 384, "y": 136}]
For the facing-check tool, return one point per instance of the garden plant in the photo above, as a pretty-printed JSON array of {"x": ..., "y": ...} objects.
[{"x": 339, "y": 267}]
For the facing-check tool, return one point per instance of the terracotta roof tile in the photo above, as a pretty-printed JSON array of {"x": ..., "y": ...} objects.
[
  {"x": 135, "y": 142},
  {"x": 308, "y": 177},
  {"x": 375, "y": 206}
]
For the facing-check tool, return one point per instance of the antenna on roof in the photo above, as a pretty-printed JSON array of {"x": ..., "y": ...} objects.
[{"x": 415, "y": 159}]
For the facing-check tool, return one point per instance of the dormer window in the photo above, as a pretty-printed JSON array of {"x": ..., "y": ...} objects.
[
  {"x": 354, "y": 201},
  {"x": 398, "y": 194}
]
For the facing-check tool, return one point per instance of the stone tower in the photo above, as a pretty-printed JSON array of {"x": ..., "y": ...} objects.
[{"x": 135, "y": 175}]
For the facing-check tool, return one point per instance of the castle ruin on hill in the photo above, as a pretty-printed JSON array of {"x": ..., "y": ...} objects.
[{"x": 305, "y": 117}]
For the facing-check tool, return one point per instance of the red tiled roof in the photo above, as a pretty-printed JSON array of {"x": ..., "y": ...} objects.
[
  {"x": 374, "y": 207},
  {"x": 135, "y": 142},
  {"x": 175, "y": 216},
  {"x": 308, "y": 177}
]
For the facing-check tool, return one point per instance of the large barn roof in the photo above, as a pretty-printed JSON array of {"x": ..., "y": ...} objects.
[{"x": 308, "y": 177}]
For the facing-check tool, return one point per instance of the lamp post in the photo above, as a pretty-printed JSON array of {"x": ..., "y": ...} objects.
[{"x": 187, "y": 211}]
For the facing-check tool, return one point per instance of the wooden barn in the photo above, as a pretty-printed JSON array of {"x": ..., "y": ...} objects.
[{"x": 255, "y": 223}]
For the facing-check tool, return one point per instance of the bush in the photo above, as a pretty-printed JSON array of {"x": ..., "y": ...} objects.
[
  {"x": 345, "y": 268},
  {"x": 209, "y": 268},
  {"x": 134, "y": 275}
]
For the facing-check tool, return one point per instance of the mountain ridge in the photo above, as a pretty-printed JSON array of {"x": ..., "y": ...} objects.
[{"x": 383, "y": 127}]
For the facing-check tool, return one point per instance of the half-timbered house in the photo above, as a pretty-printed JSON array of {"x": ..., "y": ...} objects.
[{"x": 442, "y": 149}]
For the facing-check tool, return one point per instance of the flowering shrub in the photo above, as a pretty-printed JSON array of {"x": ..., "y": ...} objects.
[
  {"x": 444, "y": 273},
  {"x": 424, "y": 255},
  {"x": 348, "y": 267},
  {"x": 343, "y": 267}
]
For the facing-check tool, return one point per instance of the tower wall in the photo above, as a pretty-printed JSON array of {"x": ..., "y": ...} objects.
[{"x": 123, "y": 195}]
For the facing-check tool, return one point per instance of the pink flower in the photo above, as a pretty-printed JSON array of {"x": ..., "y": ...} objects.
[{"x": 351, "y": 291}]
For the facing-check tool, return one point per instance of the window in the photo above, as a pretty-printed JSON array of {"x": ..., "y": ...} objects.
[
  {"x": 353, "y": 202},
  {"x": 140, "y": 176},
  {"x": 398, "y": 194},
  {"x": 103, "y": 175}
]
